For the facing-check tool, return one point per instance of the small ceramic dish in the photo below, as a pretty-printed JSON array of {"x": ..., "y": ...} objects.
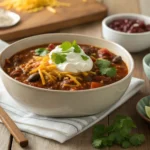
[
  {"x": 140, "y": 107},
  {"x": 146, "y": 65},
  {"x": 9, "y": 18},
  {"x": 133, "y": 42}
]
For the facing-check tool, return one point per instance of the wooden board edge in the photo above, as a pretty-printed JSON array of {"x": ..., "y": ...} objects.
[{"x": 53, "y": 27}]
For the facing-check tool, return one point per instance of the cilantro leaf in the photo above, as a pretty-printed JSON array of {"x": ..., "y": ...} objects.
[
  {"x": 119, "y": 138},
  {"x": 119, "y": 132},
  {"x": 99, "y": 130},
  {"x": 111, "y": 71},
  {"x": 112, "y": 136},
  {"x": 58, "y": 58},
  {"x": 65, "y": 46},
  {"x": 105, "y": 67},
  {"x": 126, "y": 144},
  {"x": 41, "y": 52},
  {"x": 74, "y": 43},
  {"x": 103, "y": 63},
  {"x": 77, "y": 49},
  {"x": 97, "y": 143},
  {"x": 84, "y": 57},
  {"x": 137, "y": 139}
]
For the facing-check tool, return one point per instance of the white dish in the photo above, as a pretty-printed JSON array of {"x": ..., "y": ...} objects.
[
  {"x": 65, "y": 103},
  {"x": 14, "y": 18},
  {"x": 133, "y": 42}
]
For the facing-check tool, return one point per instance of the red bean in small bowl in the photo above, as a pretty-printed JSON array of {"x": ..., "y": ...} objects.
[
  {"x": 129, "y": 25},
  {"x": 132, "y": 31}
]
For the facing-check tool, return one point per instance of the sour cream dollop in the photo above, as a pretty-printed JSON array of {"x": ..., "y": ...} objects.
[{"x": 75, "y": 62}]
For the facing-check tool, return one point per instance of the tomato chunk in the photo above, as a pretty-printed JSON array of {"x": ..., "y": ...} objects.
[
  {"x": 95, "y": 85},
  {"x": 51, "y": 46},
  {"x": 103, "y": 52}
]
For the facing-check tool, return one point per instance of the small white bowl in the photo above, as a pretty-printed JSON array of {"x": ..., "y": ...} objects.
[
  {"x": 15, "y": 18},
  {"x": 133, "y": 42}
]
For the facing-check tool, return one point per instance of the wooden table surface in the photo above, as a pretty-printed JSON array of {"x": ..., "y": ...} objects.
[{"x": 83, "y": 141}]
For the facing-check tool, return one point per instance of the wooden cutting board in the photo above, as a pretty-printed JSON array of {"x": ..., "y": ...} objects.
[{"x": 44, "y": 21}]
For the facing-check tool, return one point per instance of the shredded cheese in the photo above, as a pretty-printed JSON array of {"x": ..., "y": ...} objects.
[
  {"x": 42, "y": 77},
  {"x": 50, "y": 77},
  {"x": 51, "y": 10},
  {"x": 74, "y": 79},
  {"x": 49, "y": 73},
  {"x": 32, "y": 5}
]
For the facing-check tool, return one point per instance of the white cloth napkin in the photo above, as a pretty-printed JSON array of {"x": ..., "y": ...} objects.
[{"x": 59, "y": 129}]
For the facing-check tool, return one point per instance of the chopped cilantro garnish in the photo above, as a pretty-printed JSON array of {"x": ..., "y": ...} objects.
[
  {"x": 110, "y": 72},
  {"x": 67, "y": 45},
  {"x": 119, "y": 132},
  {"x": 84, "y": 57},
  {"x": 77, "y": 48},
  {"x": 105, "y": 67},
  {"x": 41, "y": 52},
  {"x": 74, "y": 43},
  {"x": 103, "y": 63},
  {"x": 58, "y": 58}
]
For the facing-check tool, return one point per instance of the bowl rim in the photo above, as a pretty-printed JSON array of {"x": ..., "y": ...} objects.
[
  {"x": 64, "y": 91},
  {"x": 142, "y": 116},
  {"x": 144, "y": 62},
  {"x": 124, "y": 15}
]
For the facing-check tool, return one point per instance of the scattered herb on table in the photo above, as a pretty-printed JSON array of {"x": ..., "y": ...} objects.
[{"x": 119, "y": 132}]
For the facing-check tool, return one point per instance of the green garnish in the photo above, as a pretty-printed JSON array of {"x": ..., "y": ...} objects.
[
  {"x": 84, "y": 57},
  {"x": 103, "y": 63},
  {"x": 119, "y": 132},
  {"x": 67, "y": 45},
  {"x": 41, "y": 52},
  {"x": 58, "y": 58},
  {"x": 137, "y": 139},
  {"x": 110, "y": 72},
  {"x": 77, "y": 48},
  {"x": 126, "y": 144},
  {"x": 105, "y": 67}
]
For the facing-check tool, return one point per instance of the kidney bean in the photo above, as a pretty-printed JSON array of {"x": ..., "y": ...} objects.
[
  {"x": 16, "y": 72},
  {"x": 129, "y": 25},
  {"x": 148, "y": 27},
  {"x": 33, "y": 77}
]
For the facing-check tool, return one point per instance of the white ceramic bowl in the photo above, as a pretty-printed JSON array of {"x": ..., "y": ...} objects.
[
  {"x": 65, "y": 103},
  {"x": 133, "y": 42}
]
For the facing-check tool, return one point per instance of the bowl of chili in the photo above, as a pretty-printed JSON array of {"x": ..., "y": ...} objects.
[{"x": 65, "y": 75}]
